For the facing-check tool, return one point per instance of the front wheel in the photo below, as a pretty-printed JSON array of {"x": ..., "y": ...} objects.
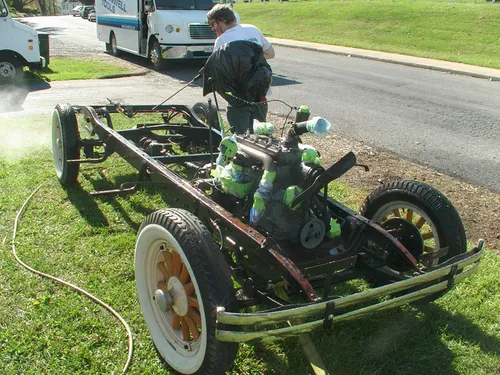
[
  {"x": 156, "y": 58},
  {"x": 11, "y": 70},
  {"x": 65, "y": 144},
  {"x": 420, "y": 217},
  {"x": 181, "y": 279}
]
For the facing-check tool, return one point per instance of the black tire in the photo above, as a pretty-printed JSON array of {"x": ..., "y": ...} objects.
[
  {"x": 11, "y": 70},
  {"x": 65, "y": 144},
  {"x": 113, "y": 46},
  {"x": 173, "y": 246},
  {"x": 159, "y": 63},
  {"x": 426, "y": 208},
  {"x": 207, "y": 114}
]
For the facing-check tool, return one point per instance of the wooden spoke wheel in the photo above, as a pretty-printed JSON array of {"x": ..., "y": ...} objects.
[
  {"x": 181, "y": 279},
  {"x": 429, "y": 219},
  {"x": 398, "y": 210}
]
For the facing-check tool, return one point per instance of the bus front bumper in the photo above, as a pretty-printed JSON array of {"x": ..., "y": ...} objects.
[
  {"x": 38, "y": 65},
  {"x": 198, "y": 51}
]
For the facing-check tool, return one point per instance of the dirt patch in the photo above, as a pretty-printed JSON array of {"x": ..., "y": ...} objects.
[{"x": 478, "y": 207}]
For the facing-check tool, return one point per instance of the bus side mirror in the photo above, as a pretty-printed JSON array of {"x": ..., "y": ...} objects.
[{"x": 149, "y": 6}]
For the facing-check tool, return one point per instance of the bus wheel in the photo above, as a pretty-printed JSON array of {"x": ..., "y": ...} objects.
[
  {"x": 113, "y": 45},
  {"x": 156, "y": 58}
]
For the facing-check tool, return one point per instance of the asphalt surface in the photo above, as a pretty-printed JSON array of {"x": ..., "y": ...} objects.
[{"x": 412, "y": 107}]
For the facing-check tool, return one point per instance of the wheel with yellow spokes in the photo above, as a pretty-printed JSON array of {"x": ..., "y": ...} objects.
[
  {"x": 419, "y": 216},
  {"x": 181, "y": 279}
]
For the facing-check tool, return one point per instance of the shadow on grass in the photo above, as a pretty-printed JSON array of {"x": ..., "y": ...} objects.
[
  {"x": 38, "y": 75},
  {"x": 396, "y": 342},
  {"x": 88, "y": 206},
  {"x": 103, "y": 183}
]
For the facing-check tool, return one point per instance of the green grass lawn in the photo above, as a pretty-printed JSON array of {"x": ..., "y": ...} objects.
[
  {"x": 466, "y": 31},
  {"x": 47, "y": 329},
  {"x": 67, "y": 69}
]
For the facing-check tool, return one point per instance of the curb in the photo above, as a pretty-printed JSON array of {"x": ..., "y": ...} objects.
[{"x": 423, "y": 63}]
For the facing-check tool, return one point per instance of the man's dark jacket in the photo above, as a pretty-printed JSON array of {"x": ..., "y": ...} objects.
[{"x": 240, "y": 68}]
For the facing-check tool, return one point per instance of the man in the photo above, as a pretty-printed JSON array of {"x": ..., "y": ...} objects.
[
  {"x": 222, "y": 20},
  {"x": 238, "y": 66}
]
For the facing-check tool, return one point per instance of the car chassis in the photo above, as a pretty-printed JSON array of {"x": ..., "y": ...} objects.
[{"x": 291, "y": 278}]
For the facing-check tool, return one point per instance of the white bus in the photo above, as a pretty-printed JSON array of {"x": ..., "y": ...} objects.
[{"x": 156, "y": 29}]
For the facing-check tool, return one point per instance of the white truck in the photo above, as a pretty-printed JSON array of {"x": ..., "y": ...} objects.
[
  {"x": 156, "y": 29},
  {"x": 20, "y": 46}
]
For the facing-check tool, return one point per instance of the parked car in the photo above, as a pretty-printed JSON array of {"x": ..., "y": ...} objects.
[
  {"x": 92, "y": 16},
  {"x": 76, "y": 10},
  {"x": 84, "y": 12}
]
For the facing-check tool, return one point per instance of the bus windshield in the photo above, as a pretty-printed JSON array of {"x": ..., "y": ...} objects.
[{"x": 185, "y": 4}]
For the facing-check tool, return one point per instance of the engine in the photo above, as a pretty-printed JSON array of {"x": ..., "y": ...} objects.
[{"x": 274, "y": 183}]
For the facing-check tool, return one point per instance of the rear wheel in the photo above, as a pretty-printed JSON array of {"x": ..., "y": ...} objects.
[
  {"x": 11, "y": 70},
  {"x": 113, "y": 46},
  {"x": 156, "y": 58},
  {"x": 207, "y": 114},
  {"x": 181, "y": 279},
  {"x": 421, "y": 217},
  {"x": 65, "y": 144}
]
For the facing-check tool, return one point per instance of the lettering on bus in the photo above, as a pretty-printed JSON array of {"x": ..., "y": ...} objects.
[{"x": 111, "y": 5}]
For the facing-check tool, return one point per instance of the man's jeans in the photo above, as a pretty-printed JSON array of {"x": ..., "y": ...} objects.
[{"x": 241, "y": 118}]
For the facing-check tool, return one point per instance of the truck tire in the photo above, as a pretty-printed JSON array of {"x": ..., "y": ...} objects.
[
  {"x": 159, "y": 63},
  {"x": 181, "y": 278},
  {"x": 65, "y": 144},
  {"x": 113, "y": 45},
  {"x": 11, "y": 70}
]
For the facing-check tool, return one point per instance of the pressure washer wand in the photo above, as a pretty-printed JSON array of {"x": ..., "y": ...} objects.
[{"x": 197, "y": 77}]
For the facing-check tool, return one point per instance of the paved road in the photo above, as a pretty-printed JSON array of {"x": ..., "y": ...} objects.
[
  {"x": 449, "y": 122},
  {"x": 446, "y": 121}
]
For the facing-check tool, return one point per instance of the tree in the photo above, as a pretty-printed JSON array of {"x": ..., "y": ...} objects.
[
  {"x": 20, "y": 4},
  {"x": 48, "y": 7}
]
